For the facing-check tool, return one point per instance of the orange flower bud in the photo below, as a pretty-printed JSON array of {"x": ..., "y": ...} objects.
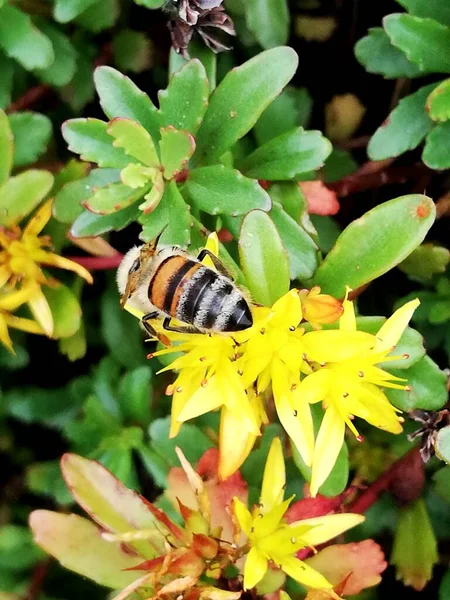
[{"x": 319, "y": 308}]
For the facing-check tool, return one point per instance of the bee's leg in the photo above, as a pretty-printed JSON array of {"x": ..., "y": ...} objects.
[
  {"x": 216, "y": 262},
  {"x": 145, "y": 322},
  {"x": 179, "y": 328}
]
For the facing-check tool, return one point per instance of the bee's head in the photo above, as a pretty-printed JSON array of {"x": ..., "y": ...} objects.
[{"x": 132, "y": 267}]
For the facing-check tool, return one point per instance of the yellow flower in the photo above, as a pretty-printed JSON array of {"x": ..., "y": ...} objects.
[
  {"x": 272, "y": 539},
  {"x": 347, "y": 380},
  {"x": 10, "y": 301},
  {"x": 319, "y": 309},
  {"x": 21, "y": 255}
]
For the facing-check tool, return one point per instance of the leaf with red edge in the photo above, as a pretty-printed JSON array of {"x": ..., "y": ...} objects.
[
  {"x": 114, "y": 506},
  {"x": 353, "y": 567},
  {"x": 307, "y": 508},
  {"x": 321, "y": 200}
]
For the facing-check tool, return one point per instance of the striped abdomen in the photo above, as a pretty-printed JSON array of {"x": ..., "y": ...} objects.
[{"x": 195, "y": 294}]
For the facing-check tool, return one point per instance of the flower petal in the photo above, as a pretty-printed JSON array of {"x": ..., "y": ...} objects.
[
  {"x": 206, "y": 398},
  {"x": 328, "y": 445},
  {"x": 303, "y": 573},
  {"x": 347, "y": 321},
  {"x": 335, "y": 345},
  {"x": 243, "y": 516},
  {"x": 369, "y": 403},
  {"x": 212, "y": 244},
  {"x": 37, "y": 223},
  {"x": 287, "y": 311},
  {"x": 235, "y": 442},
  {"x": 255, "y": 568},
  {"x": 4, "y": 275},
  {"x": 41, "y": 311},
  {"x": 389, "y": 333},
  {"x": 274, "y": 478},
  {"x": 4, "y": 335},
  {"x": 27, "y": 325},
  {"x": 53, "y": 260},
  {"x": 314, "y": 388},
  {"x": 13, "y": 300},
  {"x": 328, "y": 527}
]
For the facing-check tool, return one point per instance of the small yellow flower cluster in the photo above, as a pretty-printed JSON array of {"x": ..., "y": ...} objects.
[
  {"x": 22, "y": 252},
  {"x": 338, "y": 367}
]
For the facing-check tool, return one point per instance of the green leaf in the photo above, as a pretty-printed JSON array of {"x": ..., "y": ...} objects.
[
  {"x": 108, "y": 501},
  {"x": 438, "y": 102},
  {"x": 6, "y": 147},
  {"x": 81, "y": 89},
  {"x": 442, "y": 445},
  {"x": 150, "y": 3},
  {"x": 409, "y": 347},
  {"x": 21, "y": 194},
  {"x": 426, "y": 261},
  {"x": 17, "y": 552},
  {"x": 135, "y": 140},
  {"x": 263, "y": 259},
  {"x": 75, "y": 346},
  {"x": 135, "y": 392},
  {"x": 268, "y": 20},
  {"x": 132, "y": 51},
  {"x": 424, "y": 41},
  {"x": 67, "y": 205},
  {"x": 89, "y": 138},
  {"x": 65, "y": 309},
  {"x": 173, "y": 214},
  {"x": 288, "y": 155},
  {"x": 121, "y": 331},
  {"x": 177, "y": 147},
  {"x": 404, "y": 129},
  {"x": 88, "y": 553},
  {"x": 384, "y": 237},
  {"x": 338, "y": 165},
  {"x": 377, "y": 55},
  {"x": 184, "y": 102},
  {"x": 89, "y": 224},
  {"x": 120, "y": 97},
  {"x": 6, "y": 80},
  {"x": 32, "y": 133},
  {"x": 197, "y": 49},
  {"x": 442, "y": 483},
  {"x": 436, "y": 153},
  {"x": 99, "y": 16},
  {"x": 240, "y": 99},
  {"x": 290, "y": 109},
  {"x": 428, "y": 387},
  {"x": 113, "y": 198},
  {"x": 21, "y": 40},
  {"x": 218, "y": 190},
  {"x": 67, "y": 10},
  {"x": 301, "y": 248},
  {"x": 435, "y": 9},
  {"x": 191, "y": 439},
  {"x": 63, "y": 67},
  {"x": 45, "y": 479}
]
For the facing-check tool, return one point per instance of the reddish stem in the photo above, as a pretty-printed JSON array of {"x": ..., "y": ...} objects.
[
  {"x": 32, "y": 96},
  {"x": 38, "y": 576},
  {"x": 373, "y": 492},
  {"x": 98, "y": 263}
]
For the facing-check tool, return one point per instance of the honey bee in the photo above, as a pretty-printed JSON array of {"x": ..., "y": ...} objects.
[{"x": 168, "y": 282}]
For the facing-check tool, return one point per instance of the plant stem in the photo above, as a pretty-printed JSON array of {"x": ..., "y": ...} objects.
[
  {"x": 38, "y": 576},
  {"x": 98, "y": 263}
]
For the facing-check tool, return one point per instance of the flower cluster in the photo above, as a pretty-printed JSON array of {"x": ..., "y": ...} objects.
[
  {"x": 23, "y": 252},
  {"x": 285, "y": 356}
]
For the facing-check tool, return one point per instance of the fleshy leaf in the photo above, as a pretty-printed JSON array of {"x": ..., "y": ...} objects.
[
  {"x": 176, "y": 149},
  {"x": 21, "y": 194},
  {"x": 78, "y": 545},
  {"x": 20, "y": 39},
  {"x": 110, "y": 503},
  {"x": 438, "y": 102},
  {"x": 67, "y": 205},
  {"x": 288, "y": 155},
  {"x": 89, "y": 224},
  {"x": 89, "y": 138},
  {"x": 65, "y": 309},
  {"x": 113, "y": 198},
  {"x": 428, "y": 386},
  {"x": 32, "y": 133},
  {"x": 219, "y": 190},
  {"x": 268, "y": 21},
  {"x": 435, "y": 9},
  {"x": 133, "y": 50},
  {"x": 6, "y": 147},
  {"x": 63, "y": 67},
  {"x": 241, "y": 97},
  {"x": 424, "y": 41},
  {"x": 67, "y": 10},
  {"x": 301, "y": 248},
  {"x": 264, "y": 261},
  {"x": 184, "y": 102},
  {"x": 404, "y": 129},
  {"x": 120, "y": 97},
  {"x": 436, "y": 153},
  {"x": 135, "y": 140},
  {"x": 378, "y": 55},
  {"x": 384, "y": 236},
  {"x": 197, "y": 49}
]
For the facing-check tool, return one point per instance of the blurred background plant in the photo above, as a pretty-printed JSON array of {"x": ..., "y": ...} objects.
[{"x": 281, "y": 151}]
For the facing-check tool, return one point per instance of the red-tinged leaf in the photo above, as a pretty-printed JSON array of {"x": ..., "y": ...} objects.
[
  {"x": 351, "y": 567},
  {"x": 176, "y": 587},
  {"x": 149, "y": 565},
  {"x": 78, "y": 545},
  {"x": 113, "y": 505},
  {"x": 321, "y": 200},
  {"x": 307, "y": 508},
  {"x": 205, "y": 546},
  {"x": 184, "y": 562}
]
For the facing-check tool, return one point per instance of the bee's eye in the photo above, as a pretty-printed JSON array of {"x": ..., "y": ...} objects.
[{"x": 135, "y": 266}]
